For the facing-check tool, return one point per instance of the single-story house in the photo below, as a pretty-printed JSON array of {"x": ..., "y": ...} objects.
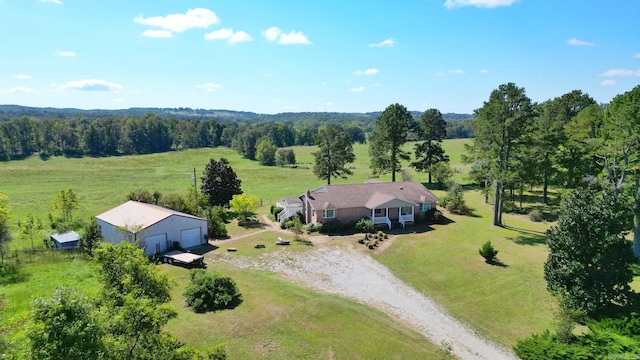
[
  {"x": 153, "y": 228},
  {"x": 66, "y": 240},
  {"x": 383, "y": 202}
]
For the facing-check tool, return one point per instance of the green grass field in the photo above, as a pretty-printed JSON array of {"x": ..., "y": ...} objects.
[{"x": 505, "y": 303}]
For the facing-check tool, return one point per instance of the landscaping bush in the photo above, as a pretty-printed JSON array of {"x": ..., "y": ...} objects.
[
  {"x": 488, "y": 252},
  {"x": 313, "y": 227},
  {"x": 210, "y": 292},
  {"x": 365, "y": 225},
  {"x": 454, "y": 200},
  {"x": 332, "y": 227},
  {"x": 510, "y": 207},
  {"x": 275, "y": 210},
  {"x": 535, "y": 216}
]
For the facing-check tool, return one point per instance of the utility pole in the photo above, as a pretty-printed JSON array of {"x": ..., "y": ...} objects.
[{"x": 195, "y": 186}]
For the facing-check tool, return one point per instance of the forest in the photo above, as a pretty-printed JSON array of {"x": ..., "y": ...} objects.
[{"x": 69, "y": 132}]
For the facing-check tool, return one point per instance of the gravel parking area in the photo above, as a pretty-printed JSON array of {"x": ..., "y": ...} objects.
[{"x": 355, "y": 275}]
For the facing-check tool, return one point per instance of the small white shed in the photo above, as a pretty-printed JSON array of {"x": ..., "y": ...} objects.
[{"x": 151, "y": 227}]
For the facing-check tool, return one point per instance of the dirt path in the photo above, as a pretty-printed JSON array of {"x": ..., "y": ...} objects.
[{"x": 352, "y": 274}]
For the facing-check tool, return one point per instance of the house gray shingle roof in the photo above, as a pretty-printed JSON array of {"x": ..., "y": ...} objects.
[{"x": 369, "y": 195}]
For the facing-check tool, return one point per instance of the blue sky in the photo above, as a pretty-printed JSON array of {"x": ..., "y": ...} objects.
[{"x": 271, "y": 56}]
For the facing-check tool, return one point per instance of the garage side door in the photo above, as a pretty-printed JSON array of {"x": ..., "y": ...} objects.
[
  {"x": 190, "y": 238},
  {"x": 155, "y": 244}
]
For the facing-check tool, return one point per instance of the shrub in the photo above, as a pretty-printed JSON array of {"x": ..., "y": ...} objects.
[
  {"x": 365, "y": 225},
  {"x": 275, "y": 210},
  {"x": 210, "y": 292},
  {"x": 332, "y": 227},
  {"x": 535, "y": 216},
  {"x": 454, "y": 200},
  {"x": 488, "y": 252},
  {"x": 311, "y": 227},
  {"x": 510, "y": 207}
]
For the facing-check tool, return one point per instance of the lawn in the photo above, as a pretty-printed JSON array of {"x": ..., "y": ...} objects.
[
  {"x": 279, "y": 320},
  {"x": 506, "y": 302}
]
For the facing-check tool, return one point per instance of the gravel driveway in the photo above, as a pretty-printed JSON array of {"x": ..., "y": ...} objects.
[{"x": 352, "y": 274}]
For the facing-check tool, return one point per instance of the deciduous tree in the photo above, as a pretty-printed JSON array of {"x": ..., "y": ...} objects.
[
  {"x": 65, "y": 327},
  {"x": 125, "y": 270},
  {"x": 5, "y": 233},
  {"x": 588, "y": 264},
  {"x": 62, "y": 208},
  {"x": 244, "y": 205},
  {"x": 220, "y": 182},
  {"x": 390, "y": 132},
  {"x": 334, "y": 154},
  {"x": 266, "y": 152},
  {"x": 31, "y": 228}
]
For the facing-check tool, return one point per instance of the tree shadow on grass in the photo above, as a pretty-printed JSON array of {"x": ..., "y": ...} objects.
[
  {"x": 252, "y": 224},
  {"x": 11, "y": 274},
  {"x": 498, "y": 263},
  {"x": 304, "y": 242},
  {"x": 527, "y": 237}
]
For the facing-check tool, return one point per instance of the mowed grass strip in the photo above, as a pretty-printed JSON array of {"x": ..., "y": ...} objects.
[
  {"x": 280, "y": 320},
  {"x": 505, "y": 302}
]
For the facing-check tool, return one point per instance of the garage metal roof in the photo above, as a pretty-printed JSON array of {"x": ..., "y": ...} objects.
[{"x": 139, "y": 215}]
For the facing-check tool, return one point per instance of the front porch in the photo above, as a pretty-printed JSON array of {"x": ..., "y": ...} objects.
[{"x": 388, "y": 215}]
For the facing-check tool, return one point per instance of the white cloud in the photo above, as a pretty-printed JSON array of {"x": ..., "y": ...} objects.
[
  {"x": 20, "y": 89},
  {"x": 385, "y": 43},
  {"x": 229, "y": 35},
  {"x": 57, "y": 2},
  {"x": 451, "y": 4},
  {"x": 484, "y": 71},
  {"x": 21, "y": 76},
  {"x": 439, "y": 74},
  {"x": 608, "y": 82},
  {"x": 621, "y": 72},
  {"x": 194, "y": 18},
  {"x": 157, "y": 33},
  {"x": 636, "y": 56},
  {"x": 65, "y": 53},
  {"x": 576, "y": 42},
  {"x": 210, "y": 86},
  {"x": 358, "y": 89},
  {"x": 328, "y": 103},
  {"x": 371, "y": 71},
  {"x": 267, "y": 75},
  {"x": 324, "y": 83},
  {"x": 457, "y": 71},
  {"x": 292, "y": 38},
  {"x": 92, "y": 85},
  {"x": 272, "y": 33},
  {"x": 376, "y": 85},
  {"x": 119, "y": 100}
]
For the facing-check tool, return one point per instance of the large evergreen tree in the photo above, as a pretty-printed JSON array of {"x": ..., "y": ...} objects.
[
  {"x": 500, "y": 128},
  {"x": 620, "y": 155},
  {"x": 334, "y": 153},
  {"x": 548, "y": 132},
  {"x": 432, "y": 130},
  {"x": 220, "y": 182},
  {"x": 390, "y": 132},
  {"x": 588, "y": 264}
]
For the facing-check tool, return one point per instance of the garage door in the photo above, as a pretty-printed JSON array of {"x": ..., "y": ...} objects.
[
  {"x": 190, "y": 238},
  {"x": 155, "y": 244}
]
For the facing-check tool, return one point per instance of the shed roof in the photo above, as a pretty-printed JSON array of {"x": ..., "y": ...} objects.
[
  {"x": 139, "y": 214},
  {"x": 69, "y": 236},
  {"x": 370, "y": 194}
]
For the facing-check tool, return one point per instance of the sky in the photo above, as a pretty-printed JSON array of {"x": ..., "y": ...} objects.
[{"x": 273, "y": 56}]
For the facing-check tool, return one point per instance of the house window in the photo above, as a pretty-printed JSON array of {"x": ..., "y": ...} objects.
[
  {"x": 406, "y": 210},
  {"x": 329, "y": 213},
  {"x": 379, "y": 212},
  {"x": 425, "y": 206}
]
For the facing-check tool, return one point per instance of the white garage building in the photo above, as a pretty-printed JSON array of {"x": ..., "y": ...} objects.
[{"x": 152, "y": 227}]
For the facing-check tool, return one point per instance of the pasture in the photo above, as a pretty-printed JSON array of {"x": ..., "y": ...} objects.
[{"x": 503, "y": 302}]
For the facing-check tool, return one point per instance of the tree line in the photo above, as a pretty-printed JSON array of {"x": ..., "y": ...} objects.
[{"x": 23, "y": 136}]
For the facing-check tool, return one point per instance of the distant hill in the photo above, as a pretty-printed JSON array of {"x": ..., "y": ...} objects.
[{"x": 12, "y": 111}]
